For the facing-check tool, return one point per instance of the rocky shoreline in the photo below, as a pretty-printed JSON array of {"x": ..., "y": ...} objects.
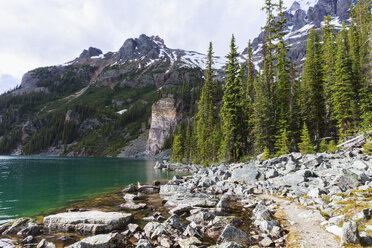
[{"x": 229, "y": 206}]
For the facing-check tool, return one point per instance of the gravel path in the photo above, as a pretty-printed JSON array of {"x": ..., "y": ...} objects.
[{"x": 305, "y": 223}]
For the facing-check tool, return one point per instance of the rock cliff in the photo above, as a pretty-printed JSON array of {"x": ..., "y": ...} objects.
[{"x": 164, "y": 119}]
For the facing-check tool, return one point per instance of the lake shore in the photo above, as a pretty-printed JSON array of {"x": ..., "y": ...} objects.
[{"x": 318, "y": 199}]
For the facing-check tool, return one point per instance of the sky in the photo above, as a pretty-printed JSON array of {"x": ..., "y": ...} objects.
[{"x": 50, "y": 32}]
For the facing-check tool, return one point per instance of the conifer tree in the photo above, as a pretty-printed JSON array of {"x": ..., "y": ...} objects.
[
  {"x": 266, "y": 154},
  {"x": 250, "y": 73},
  {"x": 312, "y": 83},
  {"x": 362, "y": 17},
  {"x": 306, "y": 147},
  {"x": 283, "y": 93},
  {"x": 231, "y": 107},
  {"x": 283, "y": 144},
  {"x": 329, "y": 71},
  {"x": 177, "y": 147},
  {"x": 187, "y": 143},
  {"x": 343, "y": 98},
  {"x": 264, "y": 118},
  {"x": 206, "y": 116}
]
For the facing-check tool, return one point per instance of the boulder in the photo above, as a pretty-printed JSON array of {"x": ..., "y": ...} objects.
[
  {"x": 271, "y": 173},
  {"x": 231, "y": 233},
  {"x": 130, "y": 197},
  {"x": 175, "y": 222},
  {"x": 130, "y": 189},
  {"x": 179, "y": 210},
  {"x": 230, "y": 244},
  {"x": 143, "y": 243},
  {"x": 189, "y": 242},
  {"x": 350, "y": 233},
  {"x": 261, "y": 212},
  {"x": 248, "y": 174},
  {"x": 111, "y": 240},
  {"x": 7, "y": 243},
  {"x": 94, "y": 222},
  {"x": 266, "y": 242},
  {"x": 133, "y": 206},
  {"x": 173, "y": 189},
  {"x": 22, "y": 227},
  {"x": 45, "y": 244}
]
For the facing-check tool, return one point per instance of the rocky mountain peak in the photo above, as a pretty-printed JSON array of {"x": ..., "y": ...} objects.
[
  {"x": 302, "y": 15},
  {"x": 141, "y": 46},
  {"x": 91, "y": 52}
]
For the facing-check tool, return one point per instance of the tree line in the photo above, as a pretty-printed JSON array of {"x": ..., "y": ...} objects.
[{"x": 274, "y": 111}]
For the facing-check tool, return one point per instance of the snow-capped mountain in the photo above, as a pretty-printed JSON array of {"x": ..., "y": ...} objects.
[
  {"x": 139, "y": 61},
  {"x": 302, "y": 15}
]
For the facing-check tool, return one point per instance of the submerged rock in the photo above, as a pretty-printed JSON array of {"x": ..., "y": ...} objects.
[{"x": 87, "y": 222}]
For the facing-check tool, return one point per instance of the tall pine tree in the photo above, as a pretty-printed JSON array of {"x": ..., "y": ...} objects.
[
  {"x": 231, "y": 110},
  {"x": 312, "y": 87},
  {"x": 343, "y": 98}
]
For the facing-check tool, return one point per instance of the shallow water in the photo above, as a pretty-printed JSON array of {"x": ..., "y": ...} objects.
[{"x": 33, "y": 185}]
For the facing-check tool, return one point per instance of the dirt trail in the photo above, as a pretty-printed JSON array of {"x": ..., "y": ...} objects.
[{"x": 305, "y": 232}]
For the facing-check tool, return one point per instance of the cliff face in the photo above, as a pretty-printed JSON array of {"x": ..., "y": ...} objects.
[{"x": 164, "y": 119}]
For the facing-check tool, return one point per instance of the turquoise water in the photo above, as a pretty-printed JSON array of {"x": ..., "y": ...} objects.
[{"x": 31, "y": 186}]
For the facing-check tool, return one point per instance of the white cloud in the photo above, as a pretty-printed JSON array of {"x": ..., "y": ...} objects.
[{"x": 46, "y": 32}]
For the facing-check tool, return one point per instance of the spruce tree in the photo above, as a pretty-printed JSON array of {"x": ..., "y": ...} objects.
[
  {"x": 329, "y": 72},
  {"x": 206, "y": 117},
  {"x": 231, "y": 107},
  {"x": 312, "y": 83},
  {"x": 264, "y": 117},
  {"x": 177, "y": 147},
  {"x": 343, "y": 98},
  {"x": 283, "y": 91},
  {"x": 187, "y": 143},
  {"x": 306, "y": 146}
]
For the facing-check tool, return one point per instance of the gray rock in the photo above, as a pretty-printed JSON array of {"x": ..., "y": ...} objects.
[
  {"x": 150, "y": 228},
  {"x": 248, "y": 174},
  {"x": 143, "y": 243},
  {"x": 7, "y": 243},
  {"x": 313, "y": 160},
  {"x": 94, "y": 222},
  {"x": 130, "y": 189},
  {"x": 181, "y": 209},
  {"x": 271, "y": 173},
  {"x": 261, "y": 212},
  {"x": 189, "y": 242},
  {"x": 133, "y": 228},
  {"x": 222, "y": 205},
  {"x": 130, "y": 197},
  {"x": 231, "y": 233},
  {"x": 133, "y": 206},
  {"x": 173, "y": 189},
  {"x": 45, "y": 244},
  {"x": 266, "y": 242},
  {"x": 231, "y": 244},
  {"x": 176, "y": 223},
  {"x": 111, "y": 240},
  {"x": 192, "y": 232},
  {"x": 350, "y": 234},
  {"x": 21, "y": 227}
]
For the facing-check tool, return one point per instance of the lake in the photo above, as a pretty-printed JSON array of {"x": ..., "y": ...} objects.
[{"x": 34, "y": 185}]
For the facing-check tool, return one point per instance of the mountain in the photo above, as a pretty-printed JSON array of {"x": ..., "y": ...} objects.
[
  {"x": 127, "y": 102},
  {"x": 97, "y": 103},
  {"x": 301, "y": 16}
]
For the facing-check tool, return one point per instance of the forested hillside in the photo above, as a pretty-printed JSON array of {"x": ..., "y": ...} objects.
[{"x": 279, "y": 110}]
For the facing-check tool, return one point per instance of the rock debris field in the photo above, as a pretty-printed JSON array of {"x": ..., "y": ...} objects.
[{"x": 313, "y": 200}]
